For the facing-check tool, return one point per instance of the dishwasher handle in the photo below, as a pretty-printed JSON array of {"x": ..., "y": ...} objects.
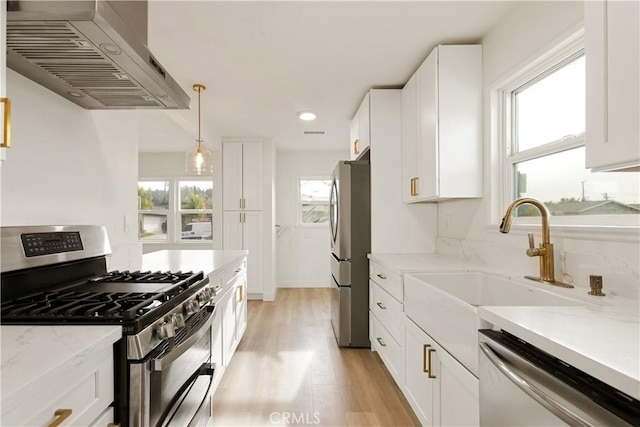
[{"x": 534, "y": 392}]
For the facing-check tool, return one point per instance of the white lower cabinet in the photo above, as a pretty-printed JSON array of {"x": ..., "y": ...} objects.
[
  {"x": 77, "y": 393},
  {"x": 440, "y": 390}
]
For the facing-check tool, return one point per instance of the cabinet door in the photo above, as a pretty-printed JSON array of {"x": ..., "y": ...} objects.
[
  {"x": 231, "y": 175},
  {"x": 427, "y": 153},
  {"x": 364, "y": 123},
  {"x": 409, "y": 138},
  {"x": 612, "y": 49},
  {"x": 227, "y": 304},
  {"x": 233, "y": 230},
  {"x": 355, "y": 137},
  {"x": 457, "y": 394},
  {"x": 241, "y": 306},
  {"x": 217, "y": 353},
  {"x": 252, "y": 176},
  {"x": 252, "y": 241},
  {"x": 418, "y": 387}
]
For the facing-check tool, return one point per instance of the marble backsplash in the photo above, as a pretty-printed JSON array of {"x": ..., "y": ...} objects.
[{"x": 575, "y": 260}]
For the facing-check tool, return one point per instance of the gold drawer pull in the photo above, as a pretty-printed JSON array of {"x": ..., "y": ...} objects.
[
  {"x": 6, "y": 128},
  {"x": 414, "y": 186},
  {"x": 382, "y": 276},
  {"x": 61, "y": 415},
  {"x": 240, "y": 293},
  {"x": 381, "y": 305},
  {"x": 355, "y": 147},
  {"x": 431, "y": 350},
  {"x": 381, "y": 342},
  {"x": 424, "y": 358}
]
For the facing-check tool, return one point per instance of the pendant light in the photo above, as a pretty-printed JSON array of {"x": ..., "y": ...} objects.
[{"x": 199, "y": 160}]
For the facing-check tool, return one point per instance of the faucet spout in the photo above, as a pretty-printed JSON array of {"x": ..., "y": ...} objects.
[{"x": 545, "y": 250}]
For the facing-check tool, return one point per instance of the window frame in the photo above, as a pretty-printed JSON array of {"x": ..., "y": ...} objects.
[
  {"x": 299, "y": 221},
  {"x": 174, "y": 212},
  {"x": 503, "y": 143}
]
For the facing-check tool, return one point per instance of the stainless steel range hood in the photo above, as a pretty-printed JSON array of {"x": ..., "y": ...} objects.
[{"x": 92, "y": 52}]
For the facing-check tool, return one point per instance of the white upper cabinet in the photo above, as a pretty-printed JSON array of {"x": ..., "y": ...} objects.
[
  {"x": 360, "y": 129},
  {"x": 242, "y": 175},
  {"x": 612, "y": 53},
  {"x": 442, "y": 126}
]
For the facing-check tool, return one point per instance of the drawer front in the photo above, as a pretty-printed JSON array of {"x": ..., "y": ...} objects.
[
  {"x": 387, "y": 309},
  {"x": 84, "y": 386},
  {"x": 235, "y": 270},
  {"x": 389, "y": 350},
  {"x": 387, "y": 279}
]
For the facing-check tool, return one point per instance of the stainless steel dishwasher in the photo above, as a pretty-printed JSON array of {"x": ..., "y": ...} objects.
[{"x": 521, "y": 385}]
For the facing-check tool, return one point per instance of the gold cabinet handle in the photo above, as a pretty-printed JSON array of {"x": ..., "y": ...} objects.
[
  {"x": 431, "y": 350},
  {"x": 424, "y": 358},
  {"x": 414, "y": 186},
  {"x": 6, "y": 123},
  {"x": 411, "y": 190},
  {"x": 240, "y": 293},
  {"x": 381, "y": 342},
  {"x": 355, "y": 147},
  {"x": 61, "y": 415},
  {"x": 382, "y": 276},
  {"x": 381, "y": 305}
]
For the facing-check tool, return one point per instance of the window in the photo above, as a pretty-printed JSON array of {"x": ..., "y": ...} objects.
[
  {"x": 153, "y": 210},
  {"x": 313, "y": 197},
  {"x": 544, "y": 148},
  {"x": 175, "y": 210}
]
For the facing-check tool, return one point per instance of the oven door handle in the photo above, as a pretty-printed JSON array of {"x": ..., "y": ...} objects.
[
  {"x": 204, "y": 369},
  {"x": 162, "y": 362}
]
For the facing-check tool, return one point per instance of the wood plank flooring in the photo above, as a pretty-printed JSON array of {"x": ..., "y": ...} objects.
[{"x": 288, "y": 370}]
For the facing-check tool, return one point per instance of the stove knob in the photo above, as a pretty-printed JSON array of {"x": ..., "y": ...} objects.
[
  {"x": 203, "y": 296},
  {"x": 165, "y": 330},
  {"x": 177, "y": 320},
  {"x": 189, "y": 308}
]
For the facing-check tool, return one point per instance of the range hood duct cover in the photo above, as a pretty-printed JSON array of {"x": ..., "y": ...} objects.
[{"x": 84, "y": 51}]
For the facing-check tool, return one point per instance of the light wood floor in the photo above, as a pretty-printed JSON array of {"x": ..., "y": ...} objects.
[{"x": 288, "y": 370}]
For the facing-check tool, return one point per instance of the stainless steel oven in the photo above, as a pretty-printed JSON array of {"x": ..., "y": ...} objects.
[{"x": 172, "y": 387}]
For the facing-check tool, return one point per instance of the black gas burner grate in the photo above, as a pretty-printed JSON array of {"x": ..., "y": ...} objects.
[
  {"x": 143, "y": 277},
  {"x": 79, "y": 306}
]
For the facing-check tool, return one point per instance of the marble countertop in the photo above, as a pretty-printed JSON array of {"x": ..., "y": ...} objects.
[
  {"x": 419, "y": 263},
  {"x": 209, "y": 261},
  {"x": 30, "y": 352},
  {"x": 601, "y": 338}
]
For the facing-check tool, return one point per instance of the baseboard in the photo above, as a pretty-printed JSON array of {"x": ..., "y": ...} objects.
[
  {"x": 270, "y": 296},
  {"x": 303, "y": 284}
]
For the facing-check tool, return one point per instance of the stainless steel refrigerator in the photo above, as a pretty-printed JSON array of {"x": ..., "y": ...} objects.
[{"x": 350, "y": 220}]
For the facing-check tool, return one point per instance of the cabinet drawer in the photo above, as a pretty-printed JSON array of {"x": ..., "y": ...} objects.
[
  {"x": 389, "y": 350},
  {"x": 387, "y": 309},
  {"x": 387, "y": 279},
  {"x": 235, "y": 270},
  {"x": 84, "y": 386}
]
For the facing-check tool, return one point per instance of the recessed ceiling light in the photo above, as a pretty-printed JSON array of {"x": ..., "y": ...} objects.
[{"x": 307, "y": 115}]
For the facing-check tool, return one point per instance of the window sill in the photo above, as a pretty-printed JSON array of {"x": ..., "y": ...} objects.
[{"x": 607, "y": 233}]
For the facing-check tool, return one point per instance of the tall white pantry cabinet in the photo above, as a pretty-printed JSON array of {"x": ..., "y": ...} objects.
[{"x": 242, "y": 162}]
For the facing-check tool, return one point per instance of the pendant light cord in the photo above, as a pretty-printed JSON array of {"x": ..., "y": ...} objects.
[{"x": 198, "y": 87}]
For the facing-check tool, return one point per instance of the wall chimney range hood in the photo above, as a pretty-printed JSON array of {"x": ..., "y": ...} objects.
[{"x": 92, "y": 52}]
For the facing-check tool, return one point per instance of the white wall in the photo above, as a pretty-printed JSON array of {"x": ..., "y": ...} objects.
[
  {"x": 302, "y": 251},
  {"x": 171, "y": 165},
  {"x": 529, "y": 30},
  {"x": 68, "y": 165}
]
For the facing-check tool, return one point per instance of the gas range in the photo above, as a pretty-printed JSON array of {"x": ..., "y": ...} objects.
[{"x": 58, "y": 275}]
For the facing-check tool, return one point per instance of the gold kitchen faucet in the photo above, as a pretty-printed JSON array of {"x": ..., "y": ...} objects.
[{"x": 544, "y": 250}]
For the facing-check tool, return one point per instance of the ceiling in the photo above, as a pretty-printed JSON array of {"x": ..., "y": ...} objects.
[{"x": 263, "y": 62}]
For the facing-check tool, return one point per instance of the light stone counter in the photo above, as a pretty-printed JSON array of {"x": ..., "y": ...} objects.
[
  {"x": 210, "y": 262},
  {"x": 31, "y": 353},
  {"x": 601, "y": 338},
  {"x": 419, "y": 263}
]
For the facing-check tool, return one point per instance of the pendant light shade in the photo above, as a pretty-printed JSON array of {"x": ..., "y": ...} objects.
[{"x": 199, "y": 159}]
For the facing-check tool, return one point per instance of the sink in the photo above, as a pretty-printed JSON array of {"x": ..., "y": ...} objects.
[{"x": 445, "y": 306}]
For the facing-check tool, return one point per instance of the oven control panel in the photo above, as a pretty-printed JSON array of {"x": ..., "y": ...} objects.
[{"x": 36, "y": 244}]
